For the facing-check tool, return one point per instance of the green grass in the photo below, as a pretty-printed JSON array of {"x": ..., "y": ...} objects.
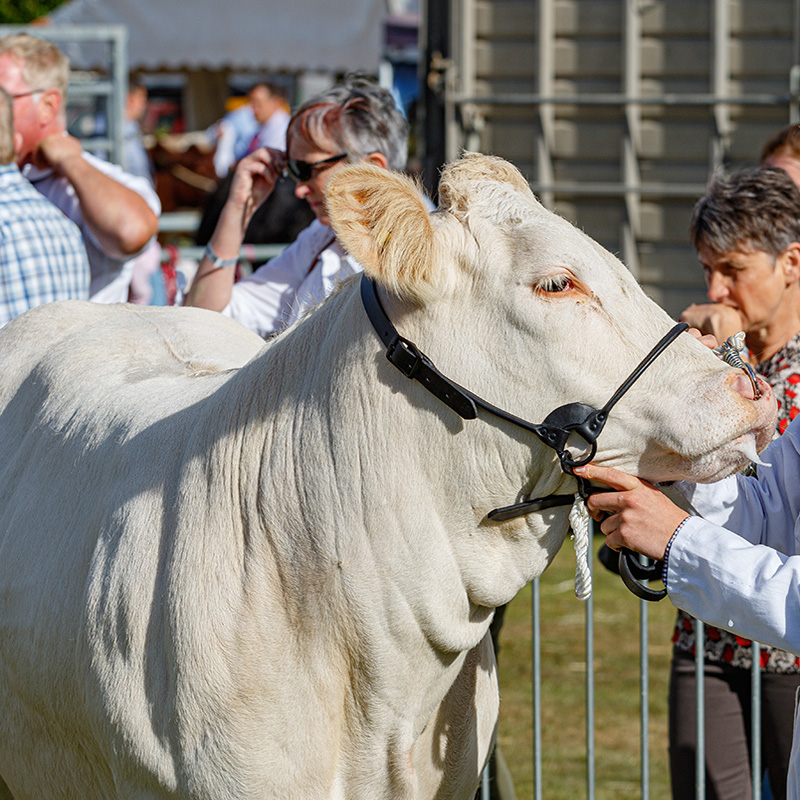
[{"x": 563, "y": 669}]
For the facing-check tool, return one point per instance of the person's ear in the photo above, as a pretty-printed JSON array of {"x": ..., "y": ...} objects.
[
  {"x": 49, "y": 105},
  {"x": 791, "y": 263},
  {"x": 378, "y": 159},
  {"x": 17, "y": 142}
]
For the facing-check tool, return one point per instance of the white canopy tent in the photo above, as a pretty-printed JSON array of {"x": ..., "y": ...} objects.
[{"x": 338, "y": 35}]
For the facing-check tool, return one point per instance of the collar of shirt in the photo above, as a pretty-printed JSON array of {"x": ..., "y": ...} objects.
[{"x": 35, "y": 174}]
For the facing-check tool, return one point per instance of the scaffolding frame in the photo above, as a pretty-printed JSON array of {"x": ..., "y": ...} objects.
[
  {"x": 467, "y": 109},
  {"x": 114, "y": 87}
]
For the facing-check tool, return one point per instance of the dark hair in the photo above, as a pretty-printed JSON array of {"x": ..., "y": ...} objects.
[
  {"x": 359, "y": 117},
  {"x": 785, "y": 142},
  {"x": 275, "y": 89},
  {"x": 755, "y": 209}
]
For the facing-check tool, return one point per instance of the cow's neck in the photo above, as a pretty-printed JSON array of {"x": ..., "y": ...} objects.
[
  {"x": 419, "y": 480},
  {"x": 381, "y": 565}
]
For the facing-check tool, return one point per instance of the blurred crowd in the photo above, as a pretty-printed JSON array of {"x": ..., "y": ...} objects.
[{"x": 76, "y": 226}]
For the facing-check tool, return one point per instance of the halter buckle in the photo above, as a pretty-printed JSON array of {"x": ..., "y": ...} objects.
[{"x": 404, "y": 355}]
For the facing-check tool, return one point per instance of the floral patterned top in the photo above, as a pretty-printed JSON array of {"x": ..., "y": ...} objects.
[{"x": 782, "y": 372}]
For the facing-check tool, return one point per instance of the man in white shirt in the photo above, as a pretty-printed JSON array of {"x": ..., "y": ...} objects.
[
  {"x": 116, "y": 212},
  {"x": 268, "y": 102}
]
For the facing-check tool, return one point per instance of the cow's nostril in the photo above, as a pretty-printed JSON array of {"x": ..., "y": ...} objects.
[{"x": 743, "y": 386}]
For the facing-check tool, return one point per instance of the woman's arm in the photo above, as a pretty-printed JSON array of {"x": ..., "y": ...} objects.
[
  {"x": 752, "y": 590},
  {"x": 253, "y": 182}
]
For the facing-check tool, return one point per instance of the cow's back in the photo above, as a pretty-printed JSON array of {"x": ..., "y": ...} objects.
[
  {"x": 166, "y": 339},
  {"x": 84, "y": 363}
]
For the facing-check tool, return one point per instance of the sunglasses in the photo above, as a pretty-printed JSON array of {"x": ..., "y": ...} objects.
[{"x": 303, "y": 171}]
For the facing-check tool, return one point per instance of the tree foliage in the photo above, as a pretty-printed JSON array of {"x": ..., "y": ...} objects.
[{"x": 21, "y": 12}]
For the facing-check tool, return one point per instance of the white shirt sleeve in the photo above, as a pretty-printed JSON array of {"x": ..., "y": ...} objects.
[
  {"x": 763, "y": 510},
  {"x": 745, "y": 576},
  {"x": 723, "y": 579},
  {"x": 262, "y": 301},
  {"x": 283, "y": 289}
]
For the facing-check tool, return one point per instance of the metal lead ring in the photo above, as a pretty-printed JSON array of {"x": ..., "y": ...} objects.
[{"x": 730, "y": 351}]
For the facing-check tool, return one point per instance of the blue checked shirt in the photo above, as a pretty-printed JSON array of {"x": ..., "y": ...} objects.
[{"x": 42, "y": 255}]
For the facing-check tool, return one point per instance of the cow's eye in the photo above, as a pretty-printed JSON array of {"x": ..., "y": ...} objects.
[{"x": 554, "y": 284}]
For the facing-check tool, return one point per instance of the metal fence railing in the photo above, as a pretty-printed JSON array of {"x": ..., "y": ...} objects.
[{"x": 102, "y": 81}]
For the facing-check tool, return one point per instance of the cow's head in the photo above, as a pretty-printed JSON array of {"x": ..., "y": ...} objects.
[{"x": 516, "y": 304}]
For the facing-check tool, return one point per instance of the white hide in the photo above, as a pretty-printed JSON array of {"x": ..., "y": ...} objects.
[{"x": 229, "y": 570}]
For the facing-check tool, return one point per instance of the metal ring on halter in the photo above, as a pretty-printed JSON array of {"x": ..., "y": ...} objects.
[
  {"x": 633, "y": 572},
  {"x": 730, "y": 351}
]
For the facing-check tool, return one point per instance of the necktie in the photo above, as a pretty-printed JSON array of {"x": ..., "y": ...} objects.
[{"x": 255, "y": 143}]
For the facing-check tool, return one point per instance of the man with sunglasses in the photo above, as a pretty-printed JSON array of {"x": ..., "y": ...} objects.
[
  {"x": 355, "y": 121},
  {"x": 116, "y": 212}
]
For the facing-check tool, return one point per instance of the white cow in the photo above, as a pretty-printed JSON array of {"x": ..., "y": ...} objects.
[{"x": 236, "y": 570}]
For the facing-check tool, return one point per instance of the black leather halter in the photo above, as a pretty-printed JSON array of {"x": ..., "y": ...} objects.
[{"x": 573, "y": 418}]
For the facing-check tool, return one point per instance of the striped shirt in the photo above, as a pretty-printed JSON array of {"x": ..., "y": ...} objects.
[{"x": 42, "y": 255}]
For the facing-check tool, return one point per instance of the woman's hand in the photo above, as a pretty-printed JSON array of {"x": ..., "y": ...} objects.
[
  {"x": 715, "y": 318},
  {"x": 254, "y": 180},
  {"x": 640, "y": 517},
  {"x": 708, "y": 339},
  {"x": 252, "y": 184}
]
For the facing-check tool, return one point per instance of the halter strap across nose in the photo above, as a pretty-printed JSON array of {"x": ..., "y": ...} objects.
[{"x": 572, "y": 418}]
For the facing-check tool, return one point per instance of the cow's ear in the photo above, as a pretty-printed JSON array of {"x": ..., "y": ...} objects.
[
  {"x": 457, "y": 186},
  {"x": 380, "y": 218}
]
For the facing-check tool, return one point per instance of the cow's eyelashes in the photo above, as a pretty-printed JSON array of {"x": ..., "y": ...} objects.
[{"x": 554, "y": 284}]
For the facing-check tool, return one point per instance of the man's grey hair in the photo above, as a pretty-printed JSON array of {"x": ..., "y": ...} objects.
[
  {"x": 755, "y": 209},
  {"x": 44, "y": 66},
  {"x": 358, "y": 117}
]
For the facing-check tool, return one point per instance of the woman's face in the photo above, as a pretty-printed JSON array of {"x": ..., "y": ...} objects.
[
  {"x": 751, "y": 281},
  {"x": 313, "y": 189}
]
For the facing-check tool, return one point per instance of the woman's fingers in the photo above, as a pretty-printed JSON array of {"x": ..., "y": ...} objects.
[
  {"x": 600, "y": 504},
  {"x": 604, "y": 503},
  {"x": 621, "y": 481},
  {"x": 637, "y": 515},
  {"x": 267, "y": 161}
]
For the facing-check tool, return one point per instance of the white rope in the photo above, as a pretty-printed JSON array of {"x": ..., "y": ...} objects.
[{"x": 579, "y": 522}]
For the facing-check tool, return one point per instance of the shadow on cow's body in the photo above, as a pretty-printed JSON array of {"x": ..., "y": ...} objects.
[{"x": 247, "y": 570}]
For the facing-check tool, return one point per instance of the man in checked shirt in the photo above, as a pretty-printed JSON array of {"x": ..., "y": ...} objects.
[{"x": 42, "y": 255}]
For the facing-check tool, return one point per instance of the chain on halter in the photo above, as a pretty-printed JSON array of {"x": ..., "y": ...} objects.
[{"x": 731, "y": 352}]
